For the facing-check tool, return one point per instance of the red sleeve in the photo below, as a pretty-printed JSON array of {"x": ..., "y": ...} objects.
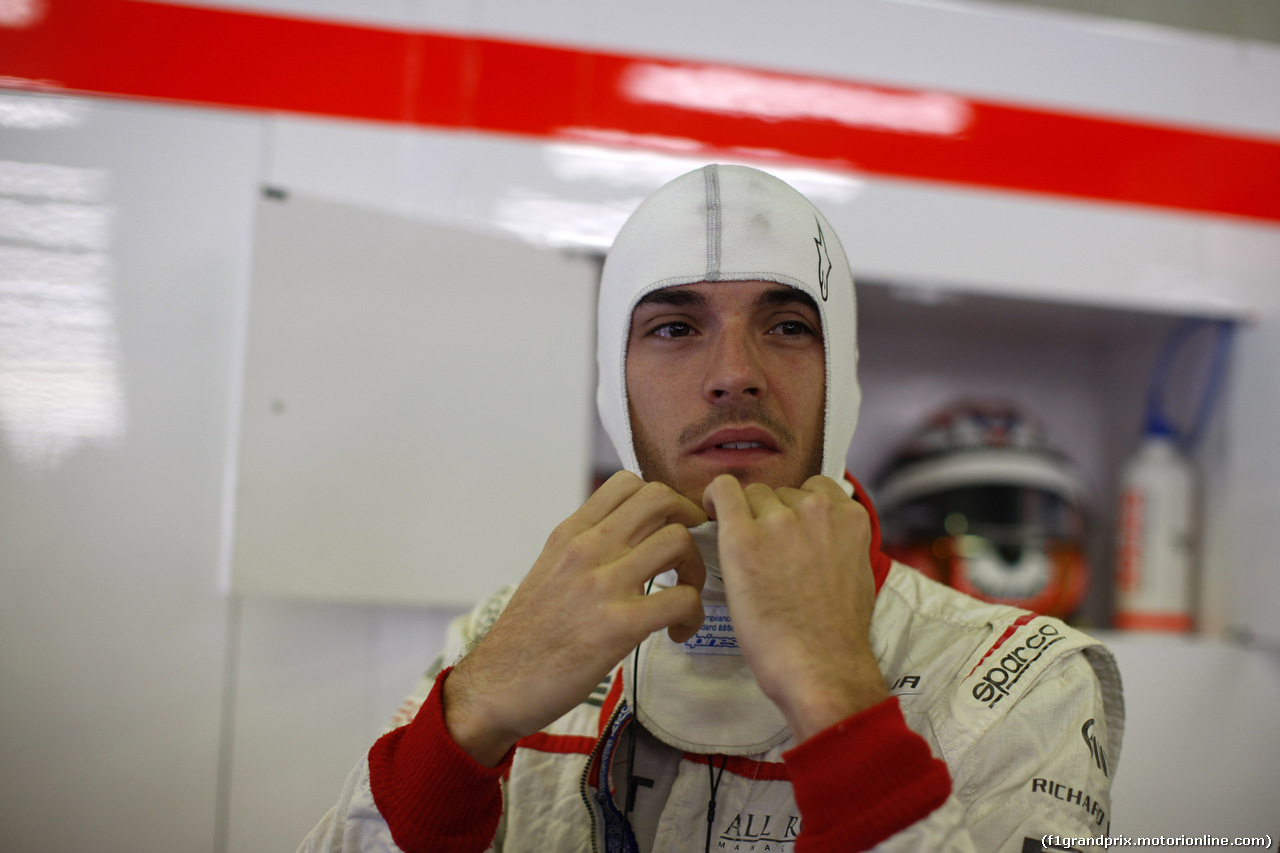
[
  {"x": 432, "y": 794},
  {"x": 863, "y": 780}
]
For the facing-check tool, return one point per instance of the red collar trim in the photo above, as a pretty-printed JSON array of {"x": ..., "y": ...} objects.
[{"x": 880, "y": 561}]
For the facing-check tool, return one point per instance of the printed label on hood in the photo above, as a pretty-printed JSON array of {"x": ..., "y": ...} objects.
[{"x": 716, "y": 636}]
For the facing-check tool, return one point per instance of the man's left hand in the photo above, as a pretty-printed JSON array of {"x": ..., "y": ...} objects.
[{"x": 797, "y": 576}]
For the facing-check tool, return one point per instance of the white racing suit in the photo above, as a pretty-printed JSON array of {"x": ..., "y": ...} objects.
[{"x": 1024, "y": 712}]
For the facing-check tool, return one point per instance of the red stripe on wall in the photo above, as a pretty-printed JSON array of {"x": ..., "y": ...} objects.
[
  {"x": 207, "y": 56},
  {"x": 151, "y": 50}
]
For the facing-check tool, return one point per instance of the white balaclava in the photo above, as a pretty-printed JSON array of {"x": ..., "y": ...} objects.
[
  {"x": 721, "y": 223},
  {"x": 729, "y": 223}
]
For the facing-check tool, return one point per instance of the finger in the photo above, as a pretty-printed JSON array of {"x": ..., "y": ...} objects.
[
  {"x": 682, "y": 632},
  {"x": 691, "y": 572},
  {"x": 824, "y": 485},
  {"x": 669, "y": 548},
  {"x": 724, "y": 501},
  {"x": 819, "y": 492},
  {"x": 789, "y": 496},
  {"x": 627, "y": 511},
  {"x": 658, "y": 501},
  {"x": 833, "y": 491},
  {"x": 612, "y": 494},
  {"x": 648, "y": 510},
  {"x": 761, "y": 499},
  {"x": 678, "y": 609}
]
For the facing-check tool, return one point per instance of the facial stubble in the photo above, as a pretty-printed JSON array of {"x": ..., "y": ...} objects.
[{"x": 653, "y": 469}]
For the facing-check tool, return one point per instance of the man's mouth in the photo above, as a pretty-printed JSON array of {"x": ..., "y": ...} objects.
[{"x": 737, "y": 440}]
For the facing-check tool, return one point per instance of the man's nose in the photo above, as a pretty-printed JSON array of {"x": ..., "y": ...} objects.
[{"x": 735, "y": 370}]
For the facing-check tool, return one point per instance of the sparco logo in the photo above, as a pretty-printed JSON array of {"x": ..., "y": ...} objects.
[
  {"x": 1095, "y": 748},
  {"x": 998, "y": 680}
]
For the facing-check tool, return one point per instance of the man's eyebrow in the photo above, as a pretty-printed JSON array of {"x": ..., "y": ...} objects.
[
  {"x": 672, "y": 296},
  {"x": 775, "y": 297},
  {"x": 782, "y": 296}
]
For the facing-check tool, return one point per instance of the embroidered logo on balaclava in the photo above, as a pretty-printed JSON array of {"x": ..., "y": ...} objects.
[{"x": 824, "y": 261}]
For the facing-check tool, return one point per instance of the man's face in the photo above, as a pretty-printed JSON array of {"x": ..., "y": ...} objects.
[{"x": 726, "y": 377}]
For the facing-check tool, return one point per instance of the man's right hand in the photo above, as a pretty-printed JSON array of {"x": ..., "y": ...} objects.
[{"x": 579, "y": 611}]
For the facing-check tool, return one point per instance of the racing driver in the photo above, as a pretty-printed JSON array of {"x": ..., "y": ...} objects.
[{"x": 712, "y": 653}]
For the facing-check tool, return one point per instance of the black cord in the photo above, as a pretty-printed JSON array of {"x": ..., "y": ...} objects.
[
  {"x": 714, "y": 778},
  {"x": 631, "y": 740},
  {"x": 635, "y": 721}
]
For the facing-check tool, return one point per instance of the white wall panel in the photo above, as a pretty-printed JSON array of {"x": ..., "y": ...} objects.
[
  {"x": 1241, "y": 89},
  {"x": 1200, "y": 739},
  {"x": 316, "y": 685},
  {"x": 394, "y": 169},
  {"x": 112, "y": 632},
  {"x": 416, "y": 411}
]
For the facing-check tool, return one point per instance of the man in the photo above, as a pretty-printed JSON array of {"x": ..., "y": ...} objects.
[{"x": 806, "y": 694}]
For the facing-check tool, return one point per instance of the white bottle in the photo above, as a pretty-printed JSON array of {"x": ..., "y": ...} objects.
[{"x": 1155, "y": 538}]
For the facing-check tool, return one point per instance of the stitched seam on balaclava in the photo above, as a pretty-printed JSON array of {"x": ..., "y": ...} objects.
[{"x": 713, "y": 222}]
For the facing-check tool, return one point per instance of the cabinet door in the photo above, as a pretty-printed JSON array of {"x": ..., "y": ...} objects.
[{"x": 416, "y": 410}]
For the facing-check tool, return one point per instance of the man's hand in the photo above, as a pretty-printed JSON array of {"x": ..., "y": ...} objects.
[
  {"x": 798, "y": 580},
  {"x": 579, "y": 611}
]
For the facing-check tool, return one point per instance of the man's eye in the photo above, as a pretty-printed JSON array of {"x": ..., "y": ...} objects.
[
  {"x": 792, "y": 327},
  {"x": 673, "y": 330}
]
